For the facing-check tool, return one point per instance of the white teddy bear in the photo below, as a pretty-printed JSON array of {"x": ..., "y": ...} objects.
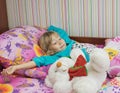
[
  {"x": 97, "y": 67},
  {"x": 58, "y": 77}
]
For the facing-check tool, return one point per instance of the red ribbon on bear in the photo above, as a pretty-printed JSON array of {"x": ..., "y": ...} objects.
[{"x": 79, "y": 68}]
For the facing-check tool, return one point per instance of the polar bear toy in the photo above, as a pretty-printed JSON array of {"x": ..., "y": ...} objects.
[
  {"x": 59, "y": 79},
  {"x": 97, "y": 67},
  {"x": 58, "y": 76}
]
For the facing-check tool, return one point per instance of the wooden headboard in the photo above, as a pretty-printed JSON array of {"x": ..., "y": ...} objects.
[
  {"x": 91, "y": 40},
  {"x": 3, "y": 17}
]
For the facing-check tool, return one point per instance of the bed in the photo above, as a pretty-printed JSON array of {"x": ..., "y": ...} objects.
[{"x": 28, "y": 81}]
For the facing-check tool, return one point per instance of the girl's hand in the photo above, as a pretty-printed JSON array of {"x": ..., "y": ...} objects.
[{"x": 8, "y": 71}]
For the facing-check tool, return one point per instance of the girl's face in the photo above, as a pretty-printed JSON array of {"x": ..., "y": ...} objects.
[{"x": 57, "y": 43}]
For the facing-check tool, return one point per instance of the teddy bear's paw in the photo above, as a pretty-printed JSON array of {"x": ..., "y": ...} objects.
[
  {"x": 62, "y": 87},
  {"x": 99, "y": 54},
  {"x": 48, "y": 83},
  {"x": 85, "y": 85},
  {"x": 99, "y": 60}
]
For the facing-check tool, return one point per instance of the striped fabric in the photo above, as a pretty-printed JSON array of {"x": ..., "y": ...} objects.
[{"x": 92, "y": 18}]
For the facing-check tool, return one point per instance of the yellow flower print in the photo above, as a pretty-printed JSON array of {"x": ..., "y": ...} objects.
[
  {"x": 111, "y": 52},
  {"x": 6, "y": 88},
  {"x": 38, "y": 50},
  {"x": 23, "y": 36}
]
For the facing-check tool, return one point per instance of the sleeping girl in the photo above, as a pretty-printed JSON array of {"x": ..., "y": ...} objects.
[{"x": 55, "y": 43}]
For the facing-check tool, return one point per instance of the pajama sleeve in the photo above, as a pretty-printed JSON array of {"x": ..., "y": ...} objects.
[{"x": 44, "y": 60}]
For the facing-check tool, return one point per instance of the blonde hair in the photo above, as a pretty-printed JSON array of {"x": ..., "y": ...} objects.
[{"x": 45, "y": 41}]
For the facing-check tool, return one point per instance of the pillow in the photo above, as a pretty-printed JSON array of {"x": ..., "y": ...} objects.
[
  {"x": 112, "y": 47},
  {"x": 114, "y": 69},
  {"x": 113, "y": 43},
  {"x": 17, "y": 45},
  {"x": 38, "y": 51}
]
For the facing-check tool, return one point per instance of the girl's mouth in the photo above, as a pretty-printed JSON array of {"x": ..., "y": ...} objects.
[{"x": 63, "y": 46}]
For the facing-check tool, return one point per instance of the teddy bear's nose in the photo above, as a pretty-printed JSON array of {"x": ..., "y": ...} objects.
[{"x": 59, "y": 64}]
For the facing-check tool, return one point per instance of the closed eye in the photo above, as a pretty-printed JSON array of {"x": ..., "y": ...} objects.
[
  {"x": 59, "y": 38},
  {"x": 54, "y": 43}
]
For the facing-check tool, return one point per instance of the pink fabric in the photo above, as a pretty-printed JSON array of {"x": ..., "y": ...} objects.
[
  {"x": 114, "y": 69},
  {"x": 17, "y": 44},
  {"x": 17, "y": 47},
  {"x": 26, "y": 85}
]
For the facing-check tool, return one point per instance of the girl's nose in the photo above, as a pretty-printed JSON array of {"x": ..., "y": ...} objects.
[{"x": 60, "y": 42}]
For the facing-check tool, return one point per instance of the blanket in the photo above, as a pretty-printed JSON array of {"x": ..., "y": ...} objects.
[{"x": 20, "y": 84}]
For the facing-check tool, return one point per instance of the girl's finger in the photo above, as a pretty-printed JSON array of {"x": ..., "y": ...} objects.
[
  {"x": 5, "y": 76},
  {"x": 4, "y": 72}
]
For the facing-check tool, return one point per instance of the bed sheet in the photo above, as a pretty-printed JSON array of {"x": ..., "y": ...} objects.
[
  {"x": 111, "y": 86},
  {"x": 22, "y": 84}
]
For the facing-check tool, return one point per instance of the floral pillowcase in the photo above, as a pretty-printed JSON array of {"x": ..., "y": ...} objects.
[
  {"x": 113, "y": 48},
  {"x": 19, "y": 45}
]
